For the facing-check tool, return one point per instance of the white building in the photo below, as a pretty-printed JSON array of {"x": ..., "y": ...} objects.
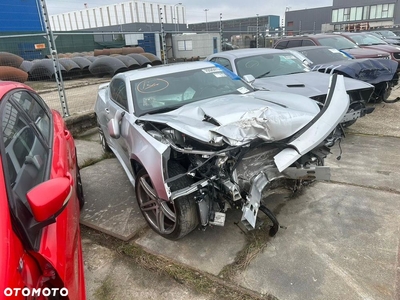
[{"x": 119, "y": 14}]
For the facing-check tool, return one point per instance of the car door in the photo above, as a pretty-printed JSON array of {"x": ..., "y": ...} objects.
[
  {"x": 119, "y": 103},
  {"x": 39, "y": 147}
]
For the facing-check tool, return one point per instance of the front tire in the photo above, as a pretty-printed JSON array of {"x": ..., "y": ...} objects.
[
  {"x": 172, "y": 220},
  {"x": 79, "y": 188},
  {"x": 103, "y": 142}
]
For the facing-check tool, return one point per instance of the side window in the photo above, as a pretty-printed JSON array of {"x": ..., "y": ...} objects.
[
  {"x": 118, "y": 93},
  {"x": 224, "y": 62},
  {"x": 37, "y": 112},
  {"x": 281, "y": 45},
  {"x": 26, "y": 157},
  {"x": 294, "y": 43},
  {"x": 308, "y": 43}
]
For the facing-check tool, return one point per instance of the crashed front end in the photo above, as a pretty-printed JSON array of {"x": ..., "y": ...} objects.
[{"x": 241, "y": 163}]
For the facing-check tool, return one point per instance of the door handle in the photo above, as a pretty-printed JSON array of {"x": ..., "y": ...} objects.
[{"x": 67, "y": 134}]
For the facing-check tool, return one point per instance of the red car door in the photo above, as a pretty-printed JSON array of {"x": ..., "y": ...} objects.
[{"x": 38, "y": 147}]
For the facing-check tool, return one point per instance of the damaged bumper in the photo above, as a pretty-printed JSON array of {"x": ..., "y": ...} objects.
[
  {"x": 312, "y": 135},
  {"x": 262, "y": 180},
  {"x": 354, "y": 115}
]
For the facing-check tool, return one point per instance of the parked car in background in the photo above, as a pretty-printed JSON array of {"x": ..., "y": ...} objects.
[
  {"x": 279, "y": 70},
  {"x": 391, "y": 41},
  {"x": 387, "y": 34},
  {"x": 228, "y": 46},
  {"x": 368, "y": 41},
  {"x": 332, "y": 40},
  {"x": 195, "y": 139},
  {"x": 381, "y": 73},
  {"x": 40, "y": 198}
]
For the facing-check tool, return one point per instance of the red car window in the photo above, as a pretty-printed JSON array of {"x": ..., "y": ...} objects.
[
  {"x": 26, "y": 155},
  {"x": 35, "y": 111}
]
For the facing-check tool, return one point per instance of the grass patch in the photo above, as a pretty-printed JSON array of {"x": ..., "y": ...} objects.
[
  {"x": 256, "y": 243},
  {"x": 200, "y": 282},
  {"x": 105, "y": 291}
]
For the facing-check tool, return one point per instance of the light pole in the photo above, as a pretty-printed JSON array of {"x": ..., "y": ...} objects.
[
  {"x": 257, "y": 32},
  {"x": 206, "y": 10},
  {"x": 176, "y": 16}
]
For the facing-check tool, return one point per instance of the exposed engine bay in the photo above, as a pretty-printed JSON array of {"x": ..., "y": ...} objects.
[{"x": 239, "y": 177}]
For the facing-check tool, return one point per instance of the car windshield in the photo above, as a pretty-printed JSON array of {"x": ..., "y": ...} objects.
[
  {"x": 167, "y": 92},
  {"x": 388, "y": 33},
  {"x": 269, "y": 65},
  {"x": 367, "y": 40},
  {"x": 338, "y": 42},
  {"x": 324, "y": 55}
]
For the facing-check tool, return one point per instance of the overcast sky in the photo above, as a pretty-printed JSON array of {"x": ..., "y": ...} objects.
[{"x": 195, "y": 13}]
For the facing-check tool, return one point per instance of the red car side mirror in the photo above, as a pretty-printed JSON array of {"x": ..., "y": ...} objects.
[{"x": 49, "y": 198}]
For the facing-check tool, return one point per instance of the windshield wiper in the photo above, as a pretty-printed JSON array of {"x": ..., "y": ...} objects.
[
  {"x": 263, "y": 75},
  {"x": 161, "y": 110},
  {"x": 297, "y": 72}
]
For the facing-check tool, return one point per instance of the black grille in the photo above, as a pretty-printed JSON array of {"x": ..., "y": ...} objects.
[{"x": 396, "y": 55}]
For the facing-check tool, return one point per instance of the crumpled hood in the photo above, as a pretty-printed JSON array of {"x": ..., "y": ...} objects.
[
  {"x": 369, "y": 70},
  {"x": 309, "y": 84},
  {"x": 237, "y": 119}
]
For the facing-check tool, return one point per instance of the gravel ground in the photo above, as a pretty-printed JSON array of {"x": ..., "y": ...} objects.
[{"x": 383, "y": 121}]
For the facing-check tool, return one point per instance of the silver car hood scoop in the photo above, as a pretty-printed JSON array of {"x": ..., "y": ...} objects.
[{"x": 237, "y": 119}]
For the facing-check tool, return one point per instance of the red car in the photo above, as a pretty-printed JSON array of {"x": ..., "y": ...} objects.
[
  {"x": 331, "y": 40},
  {"x": 40, "y": 200},
  {"x": 369, "y": 41}
]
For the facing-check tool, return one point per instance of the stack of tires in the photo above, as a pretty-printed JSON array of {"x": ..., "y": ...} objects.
[{"x": 11, "y": 67}]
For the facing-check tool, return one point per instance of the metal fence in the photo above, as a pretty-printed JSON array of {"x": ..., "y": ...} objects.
[{"x": 84, "y": 60}]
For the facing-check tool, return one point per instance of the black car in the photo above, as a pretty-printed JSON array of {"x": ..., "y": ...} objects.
[{"x": 382, "y": 73}]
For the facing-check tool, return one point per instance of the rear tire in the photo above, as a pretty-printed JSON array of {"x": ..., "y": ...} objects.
[{"x": 172, "y": 220}]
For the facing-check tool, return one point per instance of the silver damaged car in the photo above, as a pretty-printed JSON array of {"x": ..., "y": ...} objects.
[{"x": 195, "y": 140}]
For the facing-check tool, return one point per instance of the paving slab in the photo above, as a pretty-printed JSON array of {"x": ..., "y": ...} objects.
[
  {"x": 88, "y": 150},
  {"x": 207, "y": 251},
  {"x": 341, "y": 242},
  {"x": 383, "y": 121},
  {"x": 367, "y": 160},
  {"x": 112, "y": 276},
  {"x": 111, "y": 206}
]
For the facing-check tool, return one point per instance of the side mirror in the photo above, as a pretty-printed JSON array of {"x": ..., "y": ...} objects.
[
  {"x": 249, "y": 78},
  {"x": 113, "y": 128},
  {"x": 48, "y": 199},
  {"x": 113, "y": 125},
  {"x": 306, "y": 62}
]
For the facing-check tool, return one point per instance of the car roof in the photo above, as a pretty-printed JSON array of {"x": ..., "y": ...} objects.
[
  {"x": 164, "y": 69},
  {"x": 353, "y": 33},
  {"x": 238, "y": 53},
  {"x": 6, "y": 86},
  {"x": 312, "y": 36},
  {"x": 310, "y": 48}
]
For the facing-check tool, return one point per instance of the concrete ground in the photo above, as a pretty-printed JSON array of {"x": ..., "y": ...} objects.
[{"x": 341, "y": 238}]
